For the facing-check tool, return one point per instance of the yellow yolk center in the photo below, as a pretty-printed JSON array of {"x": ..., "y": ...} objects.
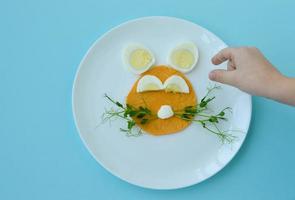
[
  {"x": 151, "y": 86},
  {"x": 140, "y": 58},
  {"x": 172, "y": 88},
  {"x": 183, "y": 58}
]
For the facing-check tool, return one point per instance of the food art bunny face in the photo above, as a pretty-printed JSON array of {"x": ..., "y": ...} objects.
[{"x": 164, "y": 90}]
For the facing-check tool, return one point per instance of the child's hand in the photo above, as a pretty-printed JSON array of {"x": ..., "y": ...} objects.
[{"x": 249, "y": 70}]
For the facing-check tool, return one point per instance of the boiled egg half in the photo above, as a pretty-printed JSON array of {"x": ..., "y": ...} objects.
[
  {"x": 184, "y": 57},
  {"x": 138, "y": 58},
  {"x": 149, "y": 83},
  {"x": 176, "y": 84}
]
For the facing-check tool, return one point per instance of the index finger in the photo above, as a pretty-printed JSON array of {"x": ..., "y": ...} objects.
[{"x": 222, "y": 56}]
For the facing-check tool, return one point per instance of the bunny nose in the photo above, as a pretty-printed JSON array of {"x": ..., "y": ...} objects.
[{"x": 165, "y": 112}]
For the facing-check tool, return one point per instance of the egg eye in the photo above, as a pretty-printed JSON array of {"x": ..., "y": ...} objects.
[
  {"x": 138, "y": 58},
  {"x": 184, "y": 57},
  {"x": 176, "y": 84},
  {"x": 149, "y": 83}
]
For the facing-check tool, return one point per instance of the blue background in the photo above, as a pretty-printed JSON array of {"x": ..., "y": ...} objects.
[{"x": 41, "y": 45}]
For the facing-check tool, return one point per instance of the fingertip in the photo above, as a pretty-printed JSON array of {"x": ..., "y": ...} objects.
[
  {"x": 214, "y": 60},
  {"x": 222, "y": 56},
  {"x": 218, "y": 59},
  {"x": 223, "y": 76},
  {"x": 218, "y": 75},
  {"x": 212, "y": 75}
]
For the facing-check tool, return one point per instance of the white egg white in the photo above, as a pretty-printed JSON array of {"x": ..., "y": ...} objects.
[
  {"x": 149, "y": 83},
  {"x": 127, "y": 54},
  {"x": 192, "y": 48},
  {"x": 177, "y": 81},
  {"x": 165, "y": 112}
]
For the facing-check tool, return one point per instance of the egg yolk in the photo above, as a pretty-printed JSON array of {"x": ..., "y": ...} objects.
[
  {"x": 183, "y": 58},
  {"x": 151, "y": 86},
  {"x": 140, "y": 58},
  {"x": 173, "y": 88}
]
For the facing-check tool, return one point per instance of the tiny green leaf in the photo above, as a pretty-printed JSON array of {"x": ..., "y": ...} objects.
[
  {"x": 221, "y": 113},
  {"x": 144, "y": 121},
  {"x": 148, "y": 111},
  {"x": 203, "y": 124},
  {"x": 140, "y": 115},
  {"x": 132, "y": 113},
  {"x": 130, "y": 124},
  {"x": 119, "y": 104},
  {"x": 185, "y": 116},
  {"x": 203, "y": 104}
]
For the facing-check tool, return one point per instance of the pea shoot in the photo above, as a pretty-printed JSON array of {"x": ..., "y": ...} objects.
[
  {"x": 199, "y": 113},
  {"x": 127, "y": 113}
]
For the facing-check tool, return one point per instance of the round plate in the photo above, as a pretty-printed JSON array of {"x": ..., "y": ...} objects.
[{"x": 163, "y": 162}]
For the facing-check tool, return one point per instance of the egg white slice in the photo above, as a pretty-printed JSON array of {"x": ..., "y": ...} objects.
[
  {"x": 165, "y": 112},
  {"x": 149, "y": 83},
  {"x": 176, "y": 84},
  {"x": 138, "y": 58},
  {"x": 184, "y": 57}
]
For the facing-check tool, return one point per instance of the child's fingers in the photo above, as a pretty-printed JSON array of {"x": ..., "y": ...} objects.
[
  {"x": 222, "y": 56},
  {"x": 230, "y": 66},
  {"x": 222, "y": 76}
]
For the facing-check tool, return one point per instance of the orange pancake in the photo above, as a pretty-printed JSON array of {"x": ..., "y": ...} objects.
[{"x": 153, "y": 100}]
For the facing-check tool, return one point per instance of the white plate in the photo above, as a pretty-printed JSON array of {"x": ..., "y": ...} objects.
[{"x": 165, "y": 162}]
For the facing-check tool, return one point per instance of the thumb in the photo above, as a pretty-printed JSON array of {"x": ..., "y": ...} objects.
[{"x": 222, "y": 76}]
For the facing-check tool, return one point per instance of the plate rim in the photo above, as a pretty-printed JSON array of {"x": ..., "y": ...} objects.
[{"x": 85, "y": 143}]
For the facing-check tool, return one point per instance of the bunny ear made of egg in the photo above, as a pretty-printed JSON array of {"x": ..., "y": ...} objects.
[
  {"x": 138, "y": 58},
  {"x": 184, "y": 56}
]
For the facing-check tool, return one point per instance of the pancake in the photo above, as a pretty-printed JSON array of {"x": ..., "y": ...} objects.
[{"x": 153, "y": 100}]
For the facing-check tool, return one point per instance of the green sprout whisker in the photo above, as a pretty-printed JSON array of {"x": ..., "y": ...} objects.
[{"x": 200, "y": 113}]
